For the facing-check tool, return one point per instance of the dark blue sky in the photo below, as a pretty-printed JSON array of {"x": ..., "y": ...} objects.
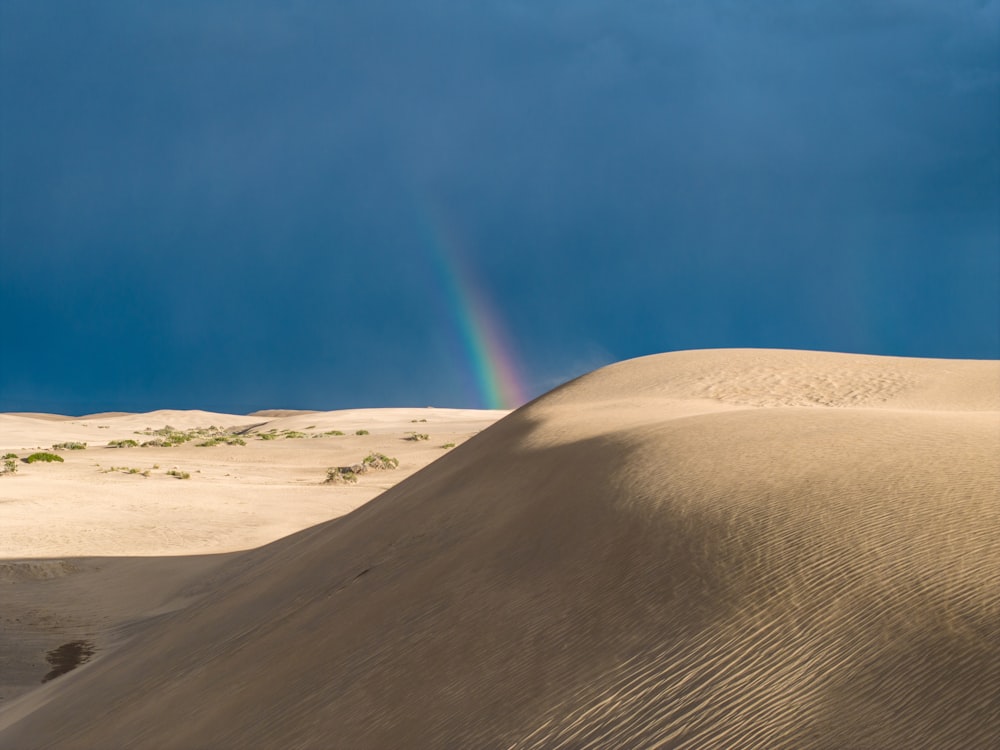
[{"x": 224, "y": 205}]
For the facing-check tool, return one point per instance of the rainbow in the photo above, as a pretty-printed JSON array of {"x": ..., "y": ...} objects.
[{"x": 493, "y": 363}]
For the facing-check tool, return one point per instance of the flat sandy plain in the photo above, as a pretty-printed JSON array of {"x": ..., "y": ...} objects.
[{"x": 707, "y": 549}]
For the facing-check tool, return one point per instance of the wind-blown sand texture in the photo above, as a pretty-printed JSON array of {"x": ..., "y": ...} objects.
[{"x": 710, "y": 549}]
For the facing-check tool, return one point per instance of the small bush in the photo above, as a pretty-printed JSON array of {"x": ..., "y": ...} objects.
[
  {"x": 380, "y": 462},
  {"x": 267, "y": 436},
  {"x": 362, "y": 432},
  {"x": 155, "y": 443},
  {"x": 45, "y": 457},
  {"x": 9, "y": 455},
  {"x": 178, "y": 474},
  {"x": 122, "y": 444},
  {"x": 69, "y": 446},
  {"x": 371, "y": 462},
  {"x": 333, "y": 432},
  {"x": 415, "y": 436},
  {"x": 293, "y": 434},
  {"x": 344, "y": 474},
  {"x": 9, "y": 464},
  {"x": 448, "y": 445}
]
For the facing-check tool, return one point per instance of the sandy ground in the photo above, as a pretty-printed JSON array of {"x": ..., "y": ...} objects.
[
  {"x": 725, "y": 549},
  {"x": 86, "y": 548}
]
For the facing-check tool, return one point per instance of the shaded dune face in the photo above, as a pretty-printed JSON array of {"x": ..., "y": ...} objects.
[{"x": 639, "y": 559}]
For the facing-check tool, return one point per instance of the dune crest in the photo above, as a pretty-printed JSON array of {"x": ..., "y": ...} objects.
[{"x": 739, "y": 549}]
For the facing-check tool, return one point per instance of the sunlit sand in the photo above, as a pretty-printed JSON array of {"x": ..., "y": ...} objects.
[{"x": 708, "y": 549}]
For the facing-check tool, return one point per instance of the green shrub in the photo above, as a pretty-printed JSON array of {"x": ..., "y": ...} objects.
[
  {"x": 415, "y": 436},
  {"x": 380, "y": 461},
  {"x": 122, "y": 444},
  {"x": 448, "y": 445},
  {"x": 45, "y": 457},
  {"x": 362, "y": 432},
  {"x": 293, "y": 434},
  {"x": 344, "y": 474},
  {"x": 69, "y": 446},
  {"x": 9, "y": 464},
  {"x": 333, "y": 432},
  {"x": 371, "y": 462},
  {"x": 267, "y": 436},
  {"x": 178, "y": 474}
]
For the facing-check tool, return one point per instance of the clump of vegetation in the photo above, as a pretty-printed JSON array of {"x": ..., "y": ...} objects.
[
  {"x": 362, "y": 432},
  {"x": 380, "y": 462},
  {"x": 168, "y": 437},
  {"x": 267, "y": 436},
  {"x": 371, "y": 462},
  {"x": 44, "y": 457},
  {"x": 129, "y": 443},
  {"x": 418, "y": 420},
  {"x": 333, "y": 432},
  {"x": 416, "y": 436},
  {"x": 178, "y": 474},
  {"x": 343, "y": 474},
  {"x": 9, "y": 464},
  {"x": 448, "y": 445},
  {"x": 293, "y": 434},
  {"x": 69, "y": 446},
  {"x": 218, "y": 440}
]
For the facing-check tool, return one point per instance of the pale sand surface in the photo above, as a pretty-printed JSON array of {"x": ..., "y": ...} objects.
[
  {"x": 84, "y": 550},
  {"x": 710, "y": 549}
]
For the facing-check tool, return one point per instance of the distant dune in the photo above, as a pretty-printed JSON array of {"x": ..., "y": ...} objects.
[
  {"x": 280, "y": 412},
  {"x": 707, "y": 549}
]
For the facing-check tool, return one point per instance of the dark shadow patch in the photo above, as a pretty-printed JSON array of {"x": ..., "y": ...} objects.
[{"x": 67, "y": 658}]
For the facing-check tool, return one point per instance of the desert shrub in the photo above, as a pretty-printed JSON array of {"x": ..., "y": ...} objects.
[
  {"x": 380, "y": 461},
  {"x": 344, "y": 474},
  {"x": 236, "y": 441},
  {"x": 69, "y": 446},
  {"x": 416, "y": 436},
  {"x": 9, "y": 465},
  {"x": 155, "y": 443},
  {"x": 178, "y": 474},
  {"x": 371, "y": 462},
  {"x": 448, "y": 445},
  {"x": 44, "y": 457},
  {"x": 267, "y": 436},
  {"x": 122, "y": 443},
  {"x": 333, "y": 432},
  {"x": 293, "y": 434},
  {"x": 362, "y": 432}
]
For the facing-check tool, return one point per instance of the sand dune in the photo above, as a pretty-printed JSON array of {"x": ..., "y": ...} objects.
[{"x": 715, "y": 549}]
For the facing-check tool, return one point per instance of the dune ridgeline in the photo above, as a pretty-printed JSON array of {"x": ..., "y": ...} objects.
[{"x": 707, "y": 549}]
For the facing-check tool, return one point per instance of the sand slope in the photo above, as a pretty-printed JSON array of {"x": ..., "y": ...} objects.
[{"x": 732, "y": 549}]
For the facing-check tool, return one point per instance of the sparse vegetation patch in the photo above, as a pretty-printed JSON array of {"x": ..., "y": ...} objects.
[
  {"x": 43, "y": 457},
  {"x": 167, "y": 437},
  {"x": 69, "y": 446},
  {"x": 178, "y": 474},
  {"x": 9, "y": 465},
  {"x": 362, "y": 432},
  {"x": 416, "y": 436},
  {"x": 128, "y": 443},
  {"x": 371, "y": 462}
]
